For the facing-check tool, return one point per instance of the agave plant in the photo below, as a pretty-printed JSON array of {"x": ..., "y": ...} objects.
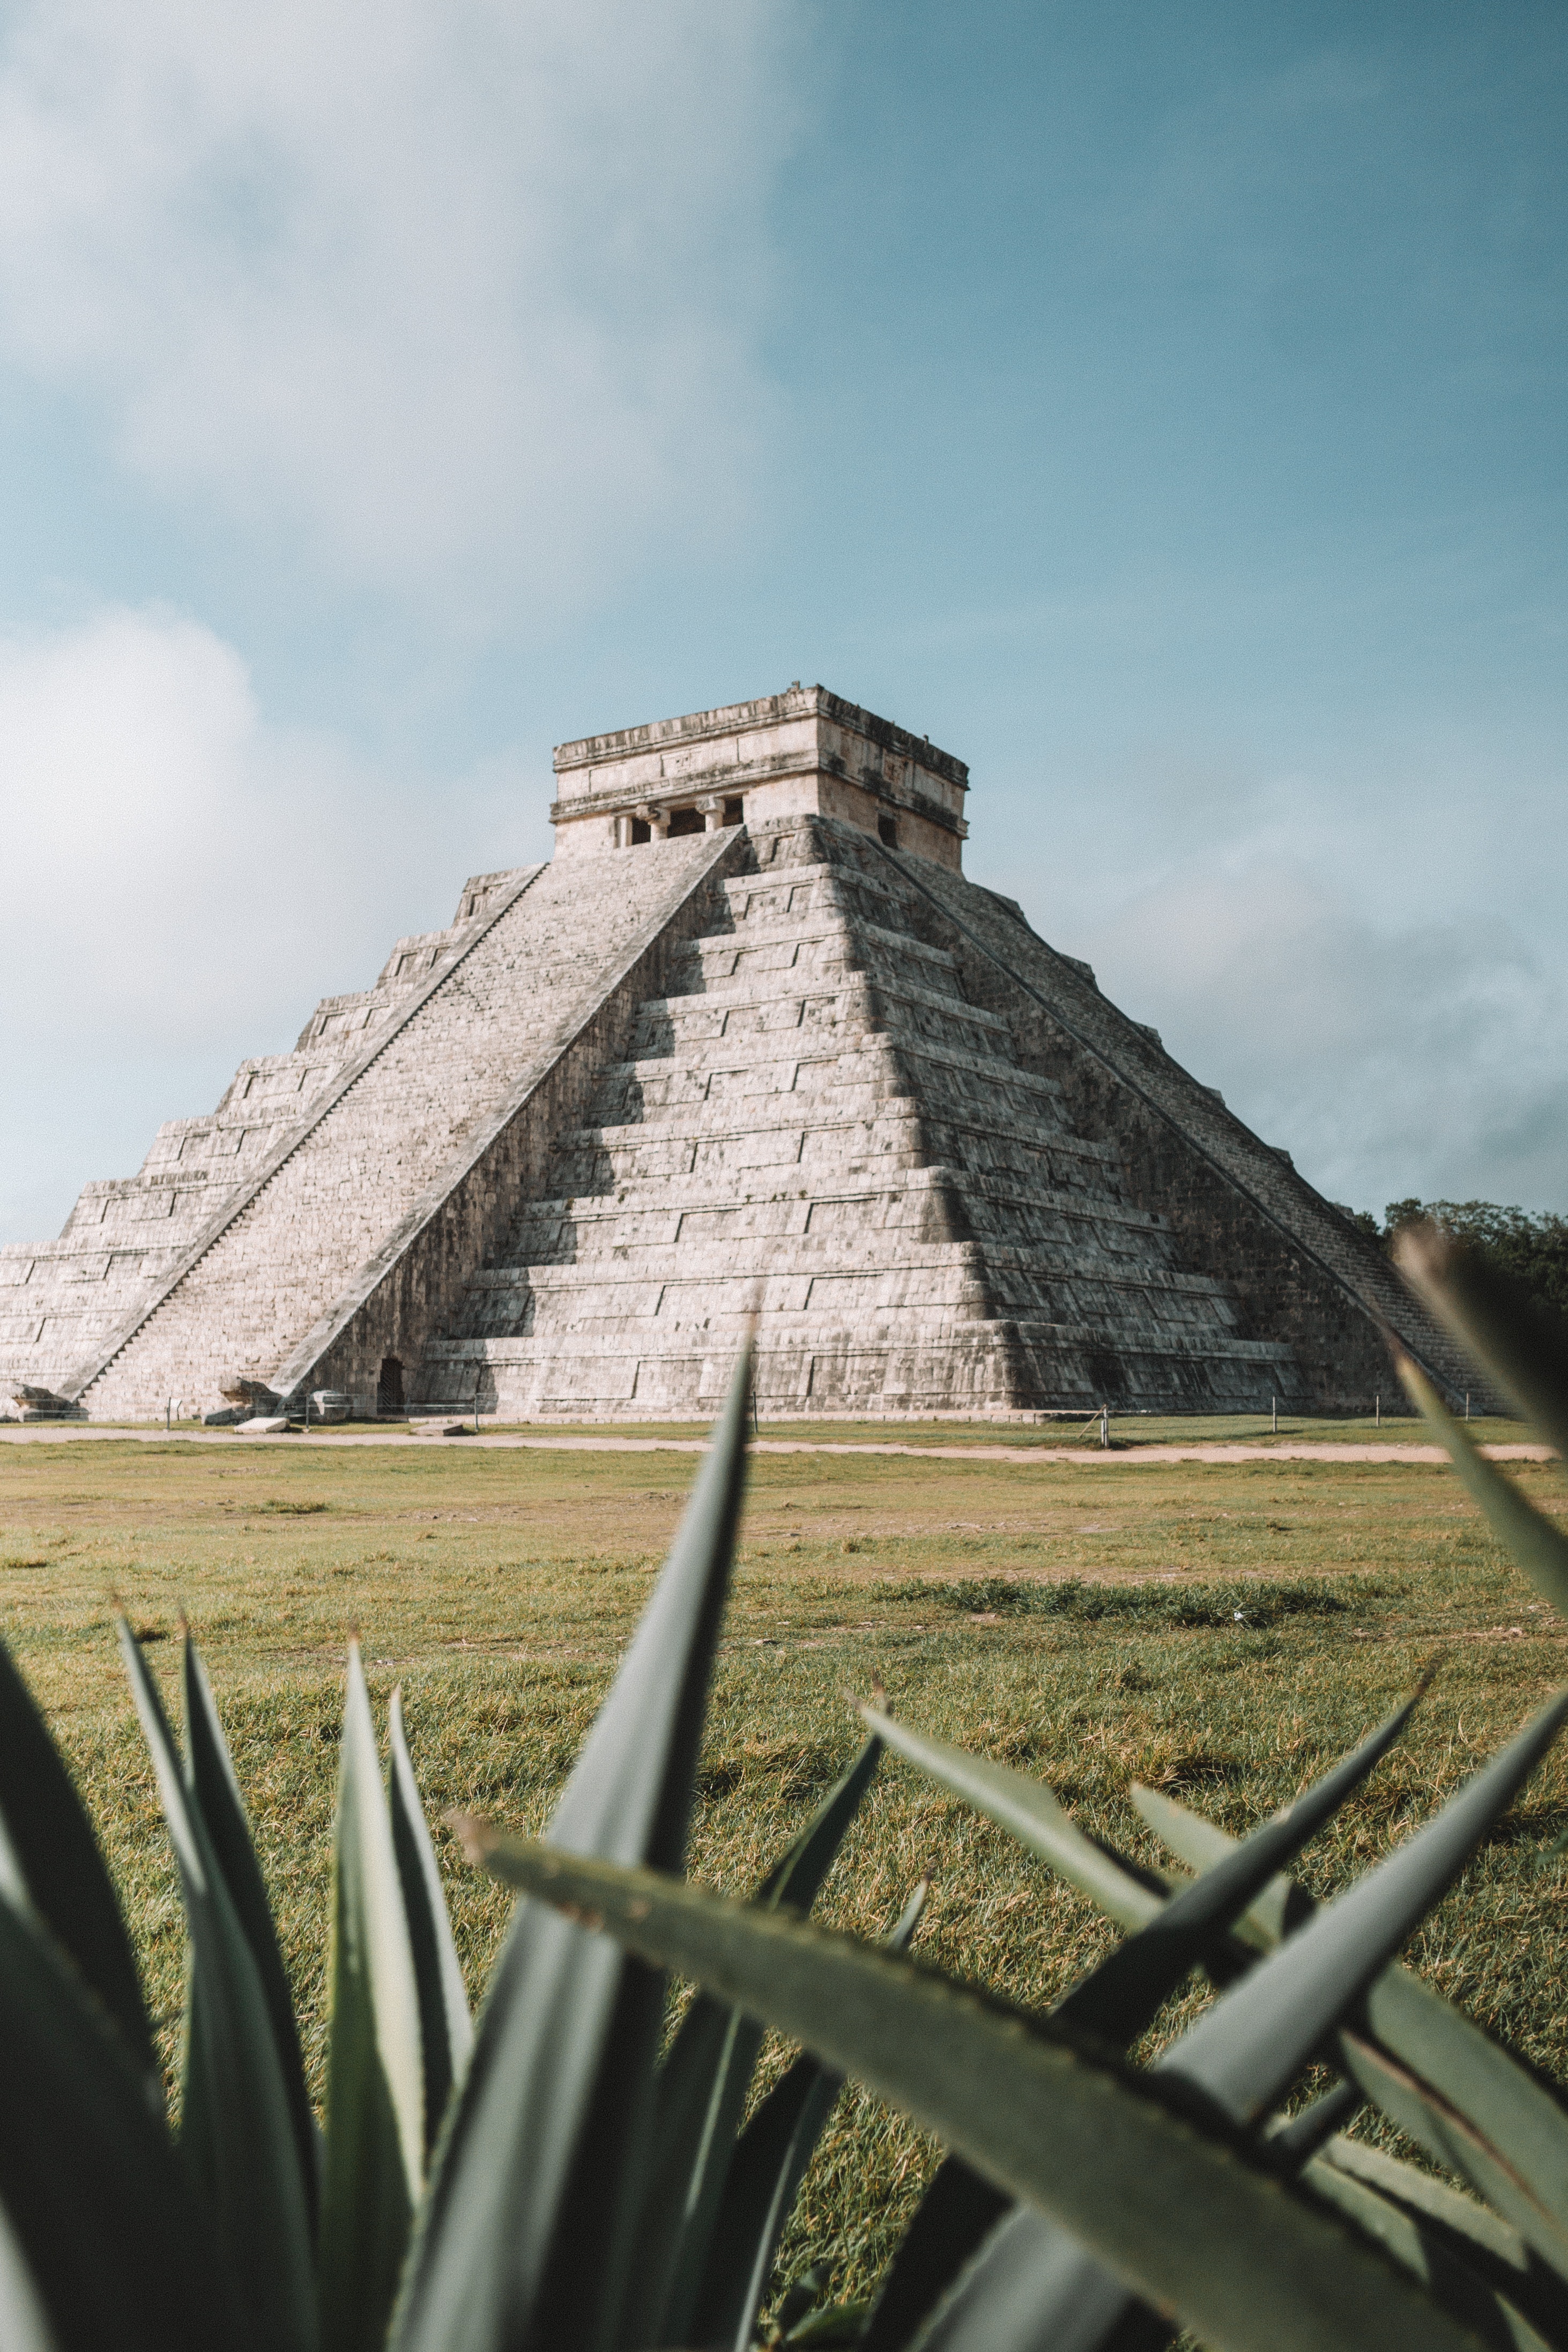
[
  {"x": 1089, "y": 2203},
  {"x": 540, "y": 2174}
]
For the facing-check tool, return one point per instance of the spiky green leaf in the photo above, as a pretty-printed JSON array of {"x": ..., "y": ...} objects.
[
  {"x": 1445, "y": 2264},
  {"x": 115, "y": 2242},
  {"x": 1032, "y": 1814},
  {"x": 1033, "y": 2282},
  {"x": 56, "y": 1860},
  {"x": 1489, "y": 2244},
  {"x": 446, "y": 2030},
  {"x": 1198, "y": 1843},
  {"x": 1244, "y": 2050},
  {"x": 1027, "y": 2286},
  {"x": 1125, "y": 1992},
  {"x": 1522, "y": 1345},
  {"x": 702, "y": 2091},
  {"x": 24, "y": 2324},
  {"x": 953, "y": 2221},
  {"x": 1187, "y": 2217},
  {"x": 374, "y": 2164},
  {"x": 764, "y": 2180},
  {"x": 210, "y": 1780},
  {"x": 236, "y": 2131},
  {"x": 1537, "y": 1543},
  {"x": 526, "y": 2229},
  {"x": 1470, "y": 2103}
]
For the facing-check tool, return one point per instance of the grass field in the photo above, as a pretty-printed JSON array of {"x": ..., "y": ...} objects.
[{"x": 1078, "y": 1621}]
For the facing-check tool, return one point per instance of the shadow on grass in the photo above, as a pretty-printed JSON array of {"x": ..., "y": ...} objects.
[{"x": 1258, "y": 1600}]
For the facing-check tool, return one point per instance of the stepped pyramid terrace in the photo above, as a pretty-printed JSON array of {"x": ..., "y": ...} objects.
[{"x": 750, "y": 1045}]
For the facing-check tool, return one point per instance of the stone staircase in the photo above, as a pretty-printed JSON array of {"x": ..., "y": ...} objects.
[
  {"x": 62, "y": 1301},
  {"x": 817, "y": 1128}
]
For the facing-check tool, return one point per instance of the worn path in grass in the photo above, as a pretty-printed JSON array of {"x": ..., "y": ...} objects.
[
  {"x": 1132, "y": 1453},
  {"x": 1218, "y": 1629}
]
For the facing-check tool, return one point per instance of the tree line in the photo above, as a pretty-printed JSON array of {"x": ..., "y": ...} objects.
[{"x": 1533, "y": 1248}]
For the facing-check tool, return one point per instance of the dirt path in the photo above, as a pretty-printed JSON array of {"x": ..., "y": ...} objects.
[{"x": 1128, "y": 1458}]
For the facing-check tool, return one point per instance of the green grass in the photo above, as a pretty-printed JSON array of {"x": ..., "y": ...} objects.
[{"x": 1075, "y": 1622}]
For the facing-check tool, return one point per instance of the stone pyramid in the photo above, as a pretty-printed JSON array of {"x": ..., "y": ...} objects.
[{"x": 750, "y": 1047}]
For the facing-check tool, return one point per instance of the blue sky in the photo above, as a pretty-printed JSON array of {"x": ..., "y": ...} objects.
[{"x": 1162, "y": 407}]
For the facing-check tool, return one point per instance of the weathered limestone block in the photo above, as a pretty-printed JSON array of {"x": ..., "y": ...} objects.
[{"x": 31, "y": 1404}]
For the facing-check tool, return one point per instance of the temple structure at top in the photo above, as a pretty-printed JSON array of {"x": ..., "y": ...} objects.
[
  {"x": 800, "y": 754},
  {"x": 749, "y": 1049}
]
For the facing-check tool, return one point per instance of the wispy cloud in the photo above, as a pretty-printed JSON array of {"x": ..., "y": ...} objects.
[
  {"x": 1389, "y": 1059},
  {"x": 1360, "y": 961},
  {"x": 182, "y": 880},
  {"x": 462, "y": 298}
]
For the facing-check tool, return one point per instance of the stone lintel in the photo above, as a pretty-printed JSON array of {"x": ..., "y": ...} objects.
[{"x": 802, "y": 752}]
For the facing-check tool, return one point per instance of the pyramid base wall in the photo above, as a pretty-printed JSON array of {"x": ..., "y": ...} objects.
[{"x": 979, "y": 1373}]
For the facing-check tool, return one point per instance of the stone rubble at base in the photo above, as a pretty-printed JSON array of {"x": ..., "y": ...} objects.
[{"x": 750, "y": 1047}]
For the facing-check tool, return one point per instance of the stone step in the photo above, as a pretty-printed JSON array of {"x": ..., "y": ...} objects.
[
  {"x": 808, "y": 1372},
  {"x": 685, "y": 1144},
  {"x": 947, "y": 1094},
  {"x": 670, "y": 1210},
  {"x": 545, "y": 1302},
  {"x": 750, "y": 890},
  {"x": 636, "y": 1335},
  {"x": 154, "y": 1215},
  {"x": 782, "y": 945},
  {"x": 883, "y": 1250},
  {"x": 890, "y": 986},
  {"x": 854, "y": 1004},
  {"x": 703, "y": 967},
  {"x": 921, "y": 1286},
  {"x": 663, "y": 1081},
  {"x": 776, "y": 893},
  {"x": 848, "y": 1221}
]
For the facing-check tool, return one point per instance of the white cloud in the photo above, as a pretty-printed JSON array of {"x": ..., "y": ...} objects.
[
  {"x": 465, "y": 293},
  {"x": 1389, "y": 1058},
  {"x": 1363, "y": 949},
  {"x": 181, "y": 881}
]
